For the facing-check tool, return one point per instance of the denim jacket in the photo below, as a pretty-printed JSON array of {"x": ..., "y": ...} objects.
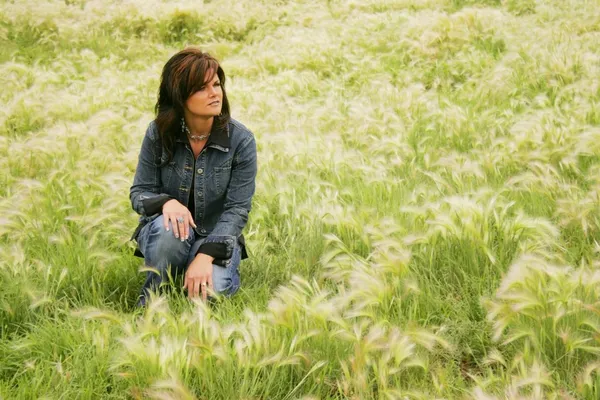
[{"x": 223, "y": 187}]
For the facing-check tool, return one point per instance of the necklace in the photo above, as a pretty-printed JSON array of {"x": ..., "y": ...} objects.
[{"x": 186, "y": 130}]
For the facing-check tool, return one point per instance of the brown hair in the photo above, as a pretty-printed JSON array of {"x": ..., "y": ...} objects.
[{"x": 182, "y": 76}]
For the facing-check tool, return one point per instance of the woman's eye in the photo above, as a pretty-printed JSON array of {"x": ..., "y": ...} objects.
[{"x": 217, "y": 83}]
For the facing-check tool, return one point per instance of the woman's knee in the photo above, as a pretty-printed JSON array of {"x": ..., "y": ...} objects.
[
  {"x": 162, "y": 246},
  {"x": 225, "y": 285},
  {"x": 226, "y": 280}
]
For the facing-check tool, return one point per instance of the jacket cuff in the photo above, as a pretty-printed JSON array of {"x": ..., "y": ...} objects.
[
  {"x": 153, "y": 205},
  {"x": 218, "y": 247}
]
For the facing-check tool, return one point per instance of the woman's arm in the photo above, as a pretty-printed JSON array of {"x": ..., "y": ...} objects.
[
  {"x": 238, "y": 201},
  {"x": 146, "y": 192}
]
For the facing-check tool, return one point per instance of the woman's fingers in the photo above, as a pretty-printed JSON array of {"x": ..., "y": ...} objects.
[
  {"x": 171, "y": 218},
  {"x": 175, "y": 225},
  {"x": 198, "y": 286},
  {"x": 192, "y": 223},
  {"x": 204, "y": 287},
  {"x": 182, "y": 226},
  {"x": 166, "y": 222},
  {"x": 196, "y": 291},
  {"x": 209, "y": 287},
  {"x": 180, "y": 217}
]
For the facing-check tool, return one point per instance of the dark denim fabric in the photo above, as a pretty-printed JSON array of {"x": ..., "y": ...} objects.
[{"x": 223, "y": 188}]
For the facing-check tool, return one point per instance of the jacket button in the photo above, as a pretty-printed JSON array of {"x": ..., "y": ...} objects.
[{"x": 200, "y": 170}]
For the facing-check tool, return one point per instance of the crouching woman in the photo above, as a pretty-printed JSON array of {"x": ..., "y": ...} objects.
[{"x": 194, "y": 181}]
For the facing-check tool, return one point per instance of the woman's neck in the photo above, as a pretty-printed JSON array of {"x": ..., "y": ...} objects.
[{"x": 199, "y": 125}]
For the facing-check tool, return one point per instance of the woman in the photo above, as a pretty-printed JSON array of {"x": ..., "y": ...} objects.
[{"x": 194, "y": 181}]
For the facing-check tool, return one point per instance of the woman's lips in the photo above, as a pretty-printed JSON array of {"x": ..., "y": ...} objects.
[{"x": 214, "y": 103}]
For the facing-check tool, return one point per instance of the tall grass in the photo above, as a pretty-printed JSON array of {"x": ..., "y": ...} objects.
[{"x": 426, "y": 217}]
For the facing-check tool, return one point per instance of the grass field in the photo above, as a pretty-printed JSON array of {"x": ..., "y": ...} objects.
[{"x": 427, "y": 216}]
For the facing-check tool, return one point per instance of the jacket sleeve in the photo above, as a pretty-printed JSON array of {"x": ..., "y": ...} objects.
[
  {"x": 146, "y": 192},
  {"x": 238, "y": 200}
]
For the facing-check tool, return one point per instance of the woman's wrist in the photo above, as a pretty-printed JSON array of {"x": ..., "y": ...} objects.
[
  {"x": 167, "y": 201},
  {"x": 202, "y": 256}
]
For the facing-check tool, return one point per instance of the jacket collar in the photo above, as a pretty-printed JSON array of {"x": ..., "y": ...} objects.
[{"x": 218, "y": 139}]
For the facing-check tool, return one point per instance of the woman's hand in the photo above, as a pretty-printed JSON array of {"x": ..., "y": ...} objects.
[
  {"x": 198, "y": 277},
  {"x": 180, "y": 218}
]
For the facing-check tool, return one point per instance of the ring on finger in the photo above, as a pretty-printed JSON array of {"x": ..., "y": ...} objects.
[{"x": 180, "y": 220}]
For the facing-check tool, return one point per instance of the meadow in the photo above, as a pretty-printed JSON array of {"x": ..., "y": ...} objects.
[{"x": 427, "y": 217}]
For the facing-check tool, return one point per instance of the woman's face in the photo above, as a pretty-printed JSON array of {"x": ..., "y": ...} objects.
[{"x": 207, "y": 101}]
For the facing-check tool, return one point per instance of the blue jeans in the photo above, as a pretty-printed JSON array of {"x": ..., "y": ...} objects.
[{"x": 166, "y": 254}]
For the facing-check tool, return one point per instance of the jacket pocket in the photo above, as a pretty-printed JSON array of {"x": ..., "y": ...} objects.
[{"x": 221, "y": 177}]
